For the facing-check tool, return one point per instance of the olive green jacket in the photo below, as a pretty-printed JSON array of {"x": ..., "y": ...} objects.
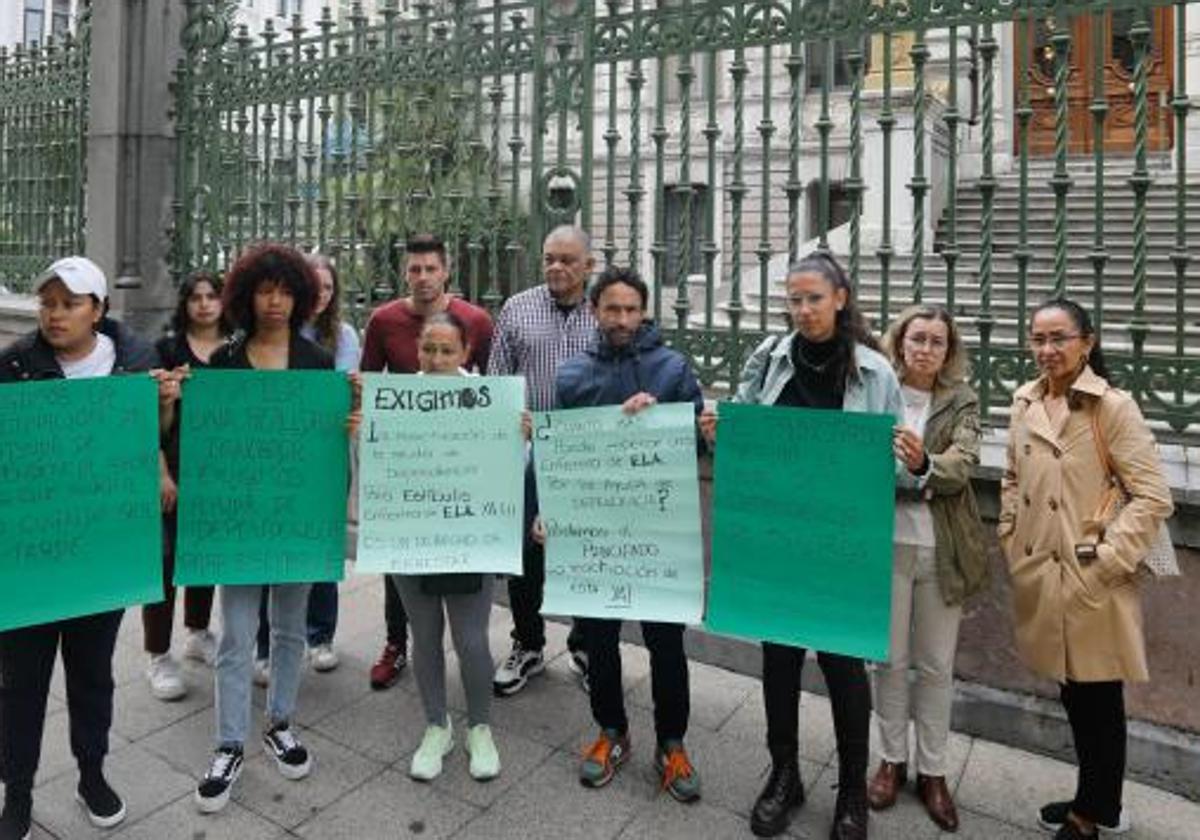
[{"x": 952, "y": 442}]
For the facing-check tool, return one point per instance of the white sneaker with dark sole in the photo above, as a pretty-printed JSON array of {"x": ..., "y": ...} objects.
[{"x": 514, "y": 672}]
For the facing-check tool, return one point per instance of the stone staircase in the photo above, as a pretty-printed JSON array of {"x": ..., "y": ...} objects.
[{"x": 1161, "y": 285}]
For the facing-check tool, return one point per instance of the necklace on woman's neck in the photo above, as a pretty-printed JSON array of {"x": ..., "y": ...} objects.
[{"x": 804, "y": 360}]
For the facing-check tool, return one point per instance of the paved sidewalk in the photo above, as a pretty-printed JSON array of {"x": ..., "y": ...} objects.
[{"x": 362, "y": 741}]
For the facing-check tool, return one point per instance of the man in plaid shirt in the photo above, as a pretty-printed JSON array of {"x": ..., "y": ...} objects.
[{"x": 537, "y": 330}]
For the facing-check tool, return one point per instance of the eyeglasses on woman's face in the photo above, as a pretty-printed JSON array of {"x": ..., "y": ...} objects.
[{"x": 1058, "y": 341}]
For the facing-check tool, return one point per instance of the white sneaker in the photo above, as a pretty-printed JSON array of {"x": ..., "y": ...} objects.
[
  {"x": 262, "y": 672},
  {"x": 166, "y": 683},
  {"x": 485, "y": 760},
  {"x": 514, "y": 672},
  {"x": 427, "y": 760},
  {"x": 324, "y": 657},
  {"x": 200, "y": 645}
]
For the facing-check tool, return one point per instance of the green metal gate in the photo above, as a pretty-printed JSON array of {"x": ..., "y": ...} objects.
[{"x": 708, "y": 143}]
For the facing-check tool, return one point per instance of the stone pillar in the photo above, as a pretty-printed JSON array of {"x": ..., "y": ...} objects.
[{"x": 130, "y": 153}]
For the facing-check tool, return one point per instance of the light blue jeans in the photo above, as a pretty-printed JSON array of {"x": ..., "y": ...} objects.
[{"x": 288, "y": 609}]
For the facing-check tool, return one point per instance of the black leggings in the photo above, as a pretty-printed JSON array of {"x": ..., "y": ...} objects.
[{"x": 850, "y": 699}]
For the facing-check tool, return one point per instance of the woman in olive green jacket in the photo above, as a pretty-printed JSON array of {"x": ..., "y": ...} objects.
[{"x": 940, "y": 556}]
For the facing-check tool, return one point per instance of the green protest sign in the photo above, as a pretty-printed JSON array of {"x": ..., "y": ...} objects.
[
  {"x": 620, "y": 499},
  {"x": 80, "y": 525},
  {"x": 441, "y": 474},
  {"x": 263, "y": 477},
  {"x": 802, "y": 532}
]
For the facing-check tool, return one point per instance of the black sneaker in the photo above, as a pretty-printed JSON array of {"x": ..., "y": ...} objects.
[
  {"x": 212, "y": 794},
  {"x": 103, "y": 807},
  {"x": 16, "y": 822},
  {"x": 1052, "y": 816},
  {"x": 290, "y": 756}
]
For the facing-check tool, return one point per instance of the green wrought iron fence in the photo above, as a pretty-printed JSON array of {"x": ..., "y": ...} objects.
[
  {"x": 43, "y": 146},
  {"x": 982, "y": 154}
]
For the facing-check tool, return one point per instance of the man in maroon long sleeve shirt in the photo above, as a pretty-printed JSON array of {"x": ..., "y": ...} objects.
[{"x": 390, "y": 344}]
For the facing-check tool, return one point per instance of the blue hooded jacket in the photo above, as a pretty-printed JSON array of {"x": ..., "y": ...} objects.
[{"x": 608, "y": 375}]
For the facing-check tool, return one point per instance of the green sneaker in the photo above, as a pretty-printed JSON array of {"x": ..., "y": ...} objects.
[
  {"x": 602, "y": 758},
  {"x": 427, "y": 760},
  {"x": 485, "y": 760},
  {"x": 679, "y": 778}
]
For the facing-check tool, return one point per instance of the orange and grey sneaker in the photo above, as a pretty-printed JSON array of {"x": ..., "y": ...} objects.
[
  {"x": 679, "y": 778},
  {"x": 603, "y": 757}
]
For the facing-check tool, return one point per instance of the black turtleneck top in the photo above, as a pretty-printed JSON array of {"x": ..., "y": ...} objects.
[{"x": 817, "y": 382}]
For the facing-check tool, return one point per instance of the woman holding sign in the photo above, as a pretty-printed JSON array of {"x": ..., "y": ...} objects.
[
  {"x": 444, "y": 348},
  {"x": 198, "y": 329},
  {"x": 831, "y": 362},
  {"x": 269, "y": 294},
  {"x": 74, "y": 340},
  {"x": 940, "y": 555},
  {"x": 1082, "y": 505}
]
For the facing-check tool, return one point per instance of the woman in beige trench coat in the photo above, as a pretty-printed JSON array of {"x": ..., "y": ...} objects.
[{"x": 1075, "y": 596}]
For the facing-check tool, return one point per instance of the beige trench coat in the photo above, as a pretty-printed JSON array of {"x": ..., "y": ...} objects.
[{"x": 1075, "y": 621}]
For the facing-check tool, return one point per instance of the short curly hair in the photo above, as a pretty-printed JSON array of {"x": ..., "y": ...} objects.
[{"x": 269, "y": 262}]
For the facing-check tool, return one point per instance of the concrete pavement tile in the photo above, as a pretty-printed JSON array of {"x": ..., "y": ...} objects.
[
  {"x": 180, "y": 820},
  {"x": 906, "y": 820},
  {"x": 749, "y": 723},
  {"x": 383, "y": 725},
  {"x": 56, "y": 758},
  {"x": 1158, "y": 815},
  {"x": 336, "y": 771},
  {"x": 187, "y": 745},
  {"x": 136, "y": 713},
  {"x": 576, "y": 812},
  {"x": 518, "y": 758},
  {"x": 1011, "y": 785},
  {"x": 393, "y": 806},
  {"x": 666, "y": 819},
  {"x": 974, "y": 826},
  {"x": 145, "y": 782},
  {"x": 715, "y": 694},
  {"x": 551, "y": 710},
  {"x": 322, "y": 694}
]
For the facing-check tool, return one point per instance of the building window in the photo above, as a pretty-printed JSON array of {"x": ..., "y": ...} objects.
[
  {"x": 60, "y": 19},
  {"x": 816, "y": 62},
  {"x": 841, "y": 208},
  {"x": 287, "y": 8},
  {"x": 35, "y": 21},
  {"x": 676, "y": 203}
]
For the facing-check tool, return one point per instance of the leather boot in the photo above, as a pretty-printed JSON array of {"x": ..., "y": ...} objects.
[
  {"x": 783, "y": 792},
  {"x": 849, "y": 816},
  {"x": 938, "y": 802},
  {"x": 886, "y": 783}
]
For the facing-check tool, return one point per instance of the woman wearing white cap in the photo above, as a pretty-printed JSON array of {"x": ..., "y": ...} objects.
[{"x": 74, "y": 339}]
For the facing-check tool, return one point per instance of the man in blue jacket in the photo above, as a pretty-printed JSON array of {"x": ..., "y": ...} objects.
[{"x": 628, "y": 365}]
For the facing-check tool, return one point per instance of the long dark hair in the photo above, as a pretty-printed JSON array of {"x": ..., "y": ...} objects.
[
  {"x": 851, "y": 326},
  {"x": 1083, "y": 323},
  {"x": 328, "y": 323},
  {"x": 179, "y": 320}
]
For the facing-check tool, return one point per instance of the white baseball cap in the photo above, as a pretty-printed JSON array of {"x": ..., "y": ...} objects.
[{"x": 80, "y": 275}]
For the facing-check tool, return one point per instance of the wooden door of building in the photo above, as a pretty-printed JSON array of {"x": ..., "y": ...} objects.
[{"x": 1118, "y": 56}]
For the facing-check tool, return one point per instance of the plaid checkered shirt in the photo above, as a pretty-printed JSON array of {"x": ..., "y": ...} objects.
[{"x": 533, "y": 336}]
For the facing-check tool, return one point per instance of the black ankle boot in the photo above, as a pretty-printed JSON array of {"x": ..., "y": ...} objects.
[
  {"x": 850, "y": 815},
  {"x": 783, "y": 792}
]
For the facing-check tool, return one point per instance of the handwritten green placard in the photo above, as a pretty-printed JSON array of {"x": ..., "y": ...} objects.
[
  {"x": 80, "y": 524},
  {"x": 263, "y": 477},
  {"x": 802, "y": 532},
  {"x": 441, "y": 474},
  {"x": 620, "y": 498}
]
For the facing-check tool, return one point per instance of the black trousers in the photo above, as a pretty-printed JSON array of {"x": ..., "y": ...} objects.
[
  {"x": 1096, "y": 712},
  {"x": 849, "y": 697},
  {"x": 26, "y": 664},
  {"x": 394, "y": 615},
  {"x": 525, "y": 602},
  {"x": 668, "y": 675}
]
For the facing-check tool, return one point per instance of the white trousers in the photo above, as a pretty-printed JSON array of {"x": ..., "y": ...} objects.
[{"x": 924, "y": 638}]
